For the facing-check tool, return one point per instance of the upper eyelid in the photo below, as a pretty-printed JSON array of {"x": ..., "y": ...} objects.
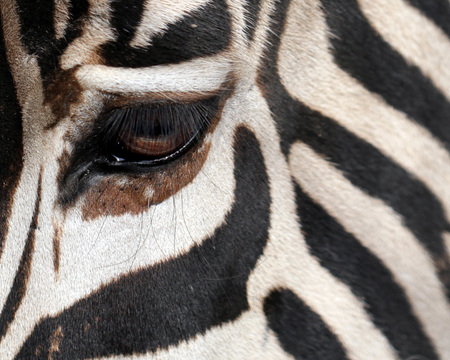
[
  {"x": 197, "y": 76},
  {"x": 126, "y": 101}
]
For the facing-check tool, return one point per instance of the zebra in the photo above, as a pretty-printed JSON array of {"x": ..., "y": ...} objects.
[{"x": 225, "y": 179}]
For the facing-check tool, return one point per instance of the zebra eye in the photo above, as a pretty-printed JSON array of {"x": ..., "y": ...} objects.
[{"x": 157, "y": 132}]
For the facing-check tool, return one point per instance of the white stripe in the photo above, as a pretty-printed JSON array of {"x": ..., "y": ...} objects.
[
  {"x": 248, "y": 60},
  {"x": 199, "y": 75},
  {"x": 61, "y": 17},
  {"x": 309, "y": 73},
  {"x": 30, "y": 97},
  {"x": 417, "y": 38},
  {"x": 381, "y": 230},
  {"x": 159, "y": 14},
  {"x": 96, "y": 32}
]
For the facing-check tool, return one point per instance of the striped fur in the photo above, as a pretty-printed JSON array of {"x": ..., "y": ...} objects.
[{"x": 310, "y": 221}]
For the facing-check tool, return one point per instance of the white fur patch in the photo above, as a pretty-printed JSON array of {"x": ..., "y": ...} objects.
[{"x": 247, "y": 59}]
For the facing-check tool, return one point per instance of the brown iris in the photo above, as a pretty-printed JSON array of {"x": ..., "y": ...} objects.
[
  {"x": 152, "y": 139},
  {"x": 155, "y": 132},
  {"x": 160, "y": 146}
]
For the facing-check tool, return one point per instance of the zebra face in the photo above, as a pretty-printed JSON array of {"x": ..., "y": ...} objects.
[
  {"x": 87, "y": 86},
  {"x": 230, "y": 179},
  {"x": 142, "y": 163}
]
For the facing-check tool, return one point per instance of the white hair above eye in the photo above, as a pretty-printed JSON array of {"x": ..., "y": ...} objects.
[{"x": 196, "y": 76}]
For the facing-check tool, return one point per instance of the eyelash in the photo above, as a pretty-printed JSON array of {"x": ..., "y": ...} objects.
[{"x": 156, "y": 133}]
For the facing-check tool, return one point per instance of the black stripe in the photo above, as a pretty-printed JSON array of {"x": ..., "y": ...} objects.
[
  {"x": 126, "y": 16},
  {"x": 364, "y": 165},
  {"x": 205, "y": 31},
  {"x": 37, "y": 25},
  {"x": 301, "y": 332},
  {"x": 348, "y": 260},
  {"x": 437, "y": 10},
  {"x": 38, "y": 32},
  {"x": 19, "y": 286},
  {"x": 180, "y": 298},
  {"x": 251, "y": 12},
  {"x": 11, "y": 148},
  {"x": 361, "y": 51}
]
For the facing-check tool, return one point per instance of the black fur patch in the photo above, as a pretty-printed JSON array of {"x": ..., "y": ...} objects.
[
  {"x": 364, "y": 54},
  {"x": 126, "y": 17},
  {"x": 301, "y": 332},
  {"x": 78, "y": 10},
  {"x": 180, "y": 298},
  {"x": 11, "y": 147},
  {"x": 364, "y": 165},
  {"x": 38, "y": 32},
  {"x": 437, "y": 10},
  {"x": 205, "y": 31},
  {"x": 348, "y": 260},
  {"x": 19, "y": 286}
]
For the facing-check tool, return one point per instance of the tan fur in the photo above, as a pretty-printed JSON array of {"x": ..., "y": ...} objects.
[
  {"x": 96, "y": 32},
  {"x": 61, "y": 16},
  {"x": 111, "y": 198}
]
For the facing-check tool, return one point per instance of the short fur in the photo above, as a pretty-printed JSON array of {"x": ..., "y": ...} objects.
[{"x": 307, "y": 219}]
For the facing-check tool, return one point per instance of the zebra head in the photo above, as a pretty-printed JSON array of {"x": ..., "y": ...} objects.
[{"x": 224, "y": 179}]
